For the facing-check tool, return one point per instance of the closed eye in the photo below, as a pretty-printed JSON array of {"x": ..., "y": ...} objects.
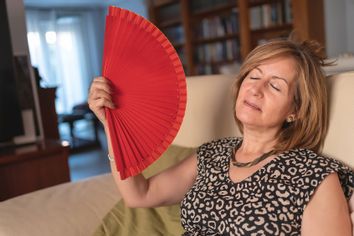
[
  {"x": 274, "y": 87},
  {"x": 254, "y": 78}
]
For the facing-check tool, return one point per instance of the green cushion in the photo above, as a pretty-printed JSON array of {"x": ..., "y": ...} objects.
[{"x": 124, "y": 221}]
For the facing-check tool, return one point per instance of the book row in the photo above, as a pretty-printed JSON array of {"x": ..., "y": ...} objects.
[
  {"x": 271, "y": 14},
  {"x": 217, "y": 26},
  {"x": 228, "y": 50}
]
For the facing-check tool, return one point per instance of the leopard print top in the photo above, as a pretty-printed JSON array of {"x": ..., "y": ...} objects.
[{"x": 269, "y": 202}]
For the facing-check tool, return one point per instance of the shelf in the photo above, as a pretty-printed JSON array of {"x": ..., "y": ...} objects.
[
  {"x": 214, "y": 10},
  {"x": 170, "y": 23},
  {"x": 215, "y": 39},
  {"x": 274, "y": 29},
  {"x": 261, "y": 36},
  {"x": 177, "y": 45},
  {"x": 162, "y": 3},
  {"x": 215, "y": 63},
  {"x": 255, "y": 3},
  {"x": 210, "y": 28}
]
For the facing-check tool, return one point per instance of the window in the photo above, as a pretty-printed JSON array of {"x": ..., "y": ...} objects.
[{"x": 63, "y": 49}]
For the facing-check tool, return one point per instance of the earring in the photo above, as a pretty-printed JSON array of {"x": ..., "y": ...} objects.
[{"x": 290, "y": 118}]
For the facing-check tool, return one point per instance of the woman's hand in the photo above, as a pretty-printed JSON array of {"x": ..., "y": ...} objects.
[
  {"x": 100, "y": 97},
  {"x": 166, "y": 188}
]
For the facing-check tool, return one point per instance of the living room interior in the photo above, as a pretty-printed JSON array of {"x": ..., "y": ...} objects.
[
  {"x": 63, "y": 41},
  {"x": 58, "y": 45}
]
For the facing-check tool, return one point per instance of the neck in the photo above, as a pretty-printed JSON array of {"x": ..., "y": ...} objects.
[{"x": 257, "y": 142}]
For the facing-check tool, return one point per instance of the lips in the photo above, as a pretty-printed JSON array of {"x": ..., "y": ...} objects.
[{"x": 252, "y": 105}]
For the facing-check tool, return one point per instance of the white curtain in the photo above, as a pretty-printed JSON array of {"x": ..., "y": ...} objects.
[{"x": 66, "y": 47}]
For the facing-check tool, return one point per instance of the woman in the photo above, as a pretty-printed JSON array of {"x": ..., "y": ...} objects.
[{"x": 270, "y": 181}]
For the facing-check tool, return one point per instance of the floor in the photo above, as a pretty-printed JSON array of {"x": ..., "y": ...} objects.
[
  {"x": 87, "y": 160},
  {"x": 87, "y": 164}
]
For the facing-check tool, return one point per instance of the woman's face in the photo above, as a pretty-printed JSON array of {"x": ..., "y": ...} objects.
[{"x": 266, "y": 95}]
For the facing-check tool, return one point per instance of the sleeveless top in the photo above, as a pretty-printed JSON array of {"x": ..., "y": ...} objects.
[{"x": 269, "y": 202}]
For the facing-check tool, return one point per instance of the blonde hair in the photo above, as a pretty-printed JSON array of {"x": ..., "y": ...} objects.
[{"x": 310, "y": 101}]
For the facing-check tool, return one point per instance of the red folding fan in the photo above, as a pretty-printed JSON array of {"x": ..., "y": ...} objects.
[{"x": 149, "y": 90}]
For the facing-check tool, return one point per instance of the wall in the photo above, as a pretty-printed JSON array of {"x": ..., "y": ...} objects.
[
  {"x": 18, "y": 31},
  {"x": 138, "y": 6},
  {"x": 339, "y": 16},
  {"x": 16, "y": 15},
  {"x": 350, "y": 26}
]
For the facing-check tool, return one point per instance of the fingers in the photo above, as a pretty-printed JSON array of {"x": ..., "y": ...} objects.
[
  {"x": 100, "y": 103},
  {"x": 102, "y": 84},
  {"x": 100, "y": 94}
]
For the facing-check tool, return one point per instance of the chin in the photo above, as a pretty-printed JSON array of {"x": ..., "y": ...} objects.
[{"x": 247, "y": 119}]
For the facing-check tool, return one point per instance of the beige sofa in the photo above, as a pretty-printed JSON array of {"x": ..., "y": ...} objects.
[{"x": 77, "y": 208}]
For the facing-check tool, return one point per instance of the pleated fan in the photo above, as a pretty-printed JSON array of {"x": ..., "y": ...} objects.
[{"x": 149, "y": 90}]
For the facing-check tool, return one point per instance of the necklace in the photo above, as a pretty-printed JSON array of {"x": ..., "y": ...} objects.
[{"x": 251, "y": 163}]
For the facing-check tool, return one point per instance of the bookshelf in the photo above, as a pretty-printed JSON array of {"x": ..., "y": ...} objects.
[{"x": 208, "y": 34}]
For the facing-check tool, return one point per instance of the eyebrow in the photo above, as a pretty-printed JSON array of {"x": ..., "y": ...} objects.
[{"x": 274, "y": 76}]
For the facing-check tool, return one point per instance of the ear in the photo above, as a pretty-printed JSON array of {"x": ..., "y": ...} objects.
[{"x": 291, "y": 118}]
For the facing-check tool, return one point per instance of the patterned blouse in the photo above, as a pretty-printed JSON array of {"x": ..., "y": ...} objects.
[{"x": 269, "y": 202}]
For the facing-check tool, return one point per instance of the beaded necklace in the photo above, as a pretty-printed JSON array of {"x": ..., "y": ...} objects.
[{"x": 251, "y": 163}]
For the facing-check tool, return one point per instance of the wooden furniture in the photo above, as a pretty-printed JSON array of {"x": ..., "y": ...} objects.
[
  {"x": 76, "y": 142},
  {"x": 208, "y": 34},
  {"x": 32, "y": 167},
  {"x": 81, "y": 112},
  {"x": 48, "y": 113}
]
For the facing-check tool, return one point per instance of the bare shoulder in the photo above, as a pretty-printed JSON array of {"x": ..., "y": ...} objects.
[{"x": 327, "y": 212}]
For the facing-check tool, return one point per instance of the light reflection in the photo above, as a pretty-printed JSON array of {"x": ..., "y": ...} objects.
[
  {"x": 65, "y": 143},
  {"x": 51, "y": 37}
]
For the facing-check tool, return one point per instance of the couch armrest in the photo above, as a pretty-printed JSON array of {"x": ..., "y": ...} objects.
[{"x": 68, "y": 209}]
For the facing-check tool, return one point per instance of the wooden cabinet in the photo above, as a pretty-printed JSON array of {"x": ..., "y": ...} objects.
[
  {"x": 32, "y": 167},
  {"x": 210, "y": 33}
]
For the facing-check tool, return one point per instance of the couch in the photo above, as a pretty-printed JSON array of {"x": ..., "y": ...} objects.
[{"x": 78, "y": 208}]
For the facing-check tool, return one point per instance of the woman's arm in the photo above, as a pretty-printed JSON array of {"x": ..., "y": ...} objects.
[
  {"x": 327, "y": 212},
  {"x": 165, "y": 188}
]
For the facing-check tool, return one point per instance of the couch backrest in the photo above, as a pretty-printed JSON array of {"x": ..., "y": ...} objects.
[
  {"x": 209, "y": 114},
  {"x": 339, "y": 142}
]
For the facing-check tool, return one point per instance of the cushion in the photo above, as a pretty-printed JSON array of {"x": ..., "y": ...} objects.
[
  {"x": 340, "y": 136},
  {"x": 121, "y": 220},
  {"x": 68, "y": 209}
]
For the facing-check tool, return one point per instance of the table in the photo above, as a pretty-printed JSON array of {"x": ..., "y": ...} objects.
[{"x": 71, "y": 118}]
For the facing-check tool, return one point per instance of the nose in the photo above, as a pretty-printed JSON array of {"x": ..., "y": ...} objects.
[{"x": 257, "y": 89}]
